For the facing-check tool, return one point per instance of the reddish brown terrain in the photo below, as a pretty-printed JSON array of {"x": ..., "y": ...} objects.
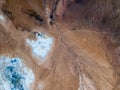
[{"x": 85, "y": 54}]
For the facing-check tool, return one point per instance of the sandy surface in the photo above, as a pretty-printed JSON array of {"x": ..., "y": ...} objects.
[{"x": 83, "y": 56}]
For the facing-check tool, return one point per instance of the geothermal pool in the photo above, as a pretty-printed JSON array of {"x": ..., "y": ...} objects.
[{"x": 14, "y": 75}]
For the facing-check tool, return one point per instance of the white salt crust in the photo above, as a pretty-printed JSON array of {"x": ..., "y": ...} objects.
[{"x": 41, "y": 46}]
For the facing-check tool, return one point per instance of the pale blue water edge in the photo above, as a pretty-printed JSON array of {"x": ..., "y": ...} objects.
[
  {"x": 14, "y": 75},
  {"x": 41, "y": 46}
]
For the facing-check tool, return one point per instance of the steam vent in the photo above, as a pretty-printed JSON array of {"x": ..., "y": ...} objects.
[{"x": 59, "y": 44}]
